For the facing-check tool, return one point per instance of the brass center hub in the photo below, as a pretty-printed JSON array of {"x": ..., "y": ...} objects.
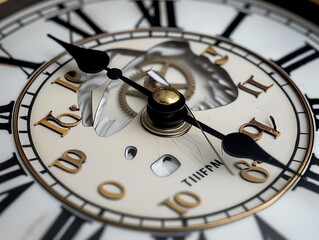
[
  {"x": 164, "y": 115},
  {"x": 166, "y": 96}
]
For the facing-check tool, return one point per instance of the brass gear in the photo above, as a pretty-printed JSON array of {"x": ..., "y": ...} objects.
[{"x": 125, "y": 90}]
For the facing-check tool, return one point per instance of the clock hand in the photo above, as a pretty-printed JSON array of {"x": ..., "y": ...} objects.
[
  {"x": 241, "y": 145},
  {"x": 154, "y": 75},
  {"x": 94, "y": 61},
  {"x": 209, "y": 142},
  {"x": 235, "y": 144},
  {"x": 88, "y": 60},
  {"x": 115, "y": 73}
]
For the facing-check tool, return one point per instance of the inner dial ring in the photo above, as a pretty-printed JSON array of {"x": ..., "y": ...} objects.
[{"x": 101, "y": 182}]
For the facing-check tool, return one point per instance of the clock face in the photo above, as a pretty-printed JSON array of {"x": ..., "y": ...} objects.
[{"x": 86, "y": 155}]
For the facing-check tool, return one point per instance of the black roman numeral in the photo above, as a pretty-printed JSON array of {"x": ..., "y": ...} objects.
[
  {"x": 6, "y": 116},
  {"x": 153, "y": 15},
  {"x": 67, "y": 225},
  {"x": 98, "y": 234},
  {"x": 183, "y": 236},
  {"x": 169, "y": 238},
  {"x": 267, "y": 231},
  {"x": 304, "y": 182},
  {"x": 297, "y": 58},
  {"x": 95, "y": 29},
  {"x": 10, "y": 195},
  {"x": 234, "y": 24},
  {"x": 13, "y": 163},
  {"x": 12, "y": 169},
  {"x": 27, "y": 67},
  {"x": 313, "y": 102}
]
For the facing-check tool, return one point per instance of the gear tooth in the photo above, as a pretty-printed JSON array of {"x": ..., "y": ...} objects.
[
  {"x": 126, "y": 108},
  {"x": 134, "y": 75},
  {"x": 191, "y": 81},
  {"x": 139, "y": 73},
  {"x": 123, "y": 92}
]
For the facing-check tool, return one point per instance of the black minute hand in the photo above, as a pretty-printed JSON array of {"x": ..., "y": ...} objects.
[
  {"x": 235, "y": 144},
  {"x": 239, "y": 145}
]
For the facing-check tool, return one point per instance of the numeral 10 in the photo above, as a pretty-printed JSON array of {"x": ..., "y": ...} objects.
[{"x": 181, "y": 202}]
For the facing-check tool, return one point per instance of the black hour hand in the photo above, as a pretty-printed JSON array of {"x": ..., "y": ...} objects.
[{"x": 88, "y": 60}]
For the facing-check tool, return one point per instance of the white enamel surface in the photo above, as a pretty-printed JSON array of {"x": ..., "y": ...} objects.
[{"x": 105, "y": 155}]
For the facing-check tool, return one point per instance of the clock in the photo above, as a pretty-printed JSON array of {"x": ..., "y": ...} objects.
[{"x": 159, "y": 120}]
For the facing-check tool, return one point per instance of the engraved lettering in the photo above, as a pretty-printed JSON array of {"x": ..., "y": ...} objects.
[{"x": 202, "y": 173}]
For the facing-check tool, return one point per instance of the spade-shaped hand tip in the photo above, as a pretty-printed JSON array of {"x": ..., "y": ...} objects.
[
  {"x": 241, "y": 145},
  {"x": 88, "y": 60}
]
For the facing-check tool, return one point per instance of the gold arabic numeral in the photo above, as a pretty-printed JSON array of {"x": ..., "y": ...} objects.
[
  {"x": 254, "y": 83},
  {"x": 70, "y": 82},
  {"x": 71, "y": 161},
  {"x": 261, "y": 128},
  {"x": 57, "y": 125},
  {"x": 181, "y": 202},
  {"x": 252, "y": 173},
  {"x": 221, "y": 60},
  {"x": 112, "y": 190}
]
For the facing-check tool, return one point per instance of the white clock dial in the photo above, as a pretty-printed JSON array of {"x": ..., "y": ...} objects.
[
  {"x": 80, "y": 149},
  {"x": 91, "y": 172}
]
